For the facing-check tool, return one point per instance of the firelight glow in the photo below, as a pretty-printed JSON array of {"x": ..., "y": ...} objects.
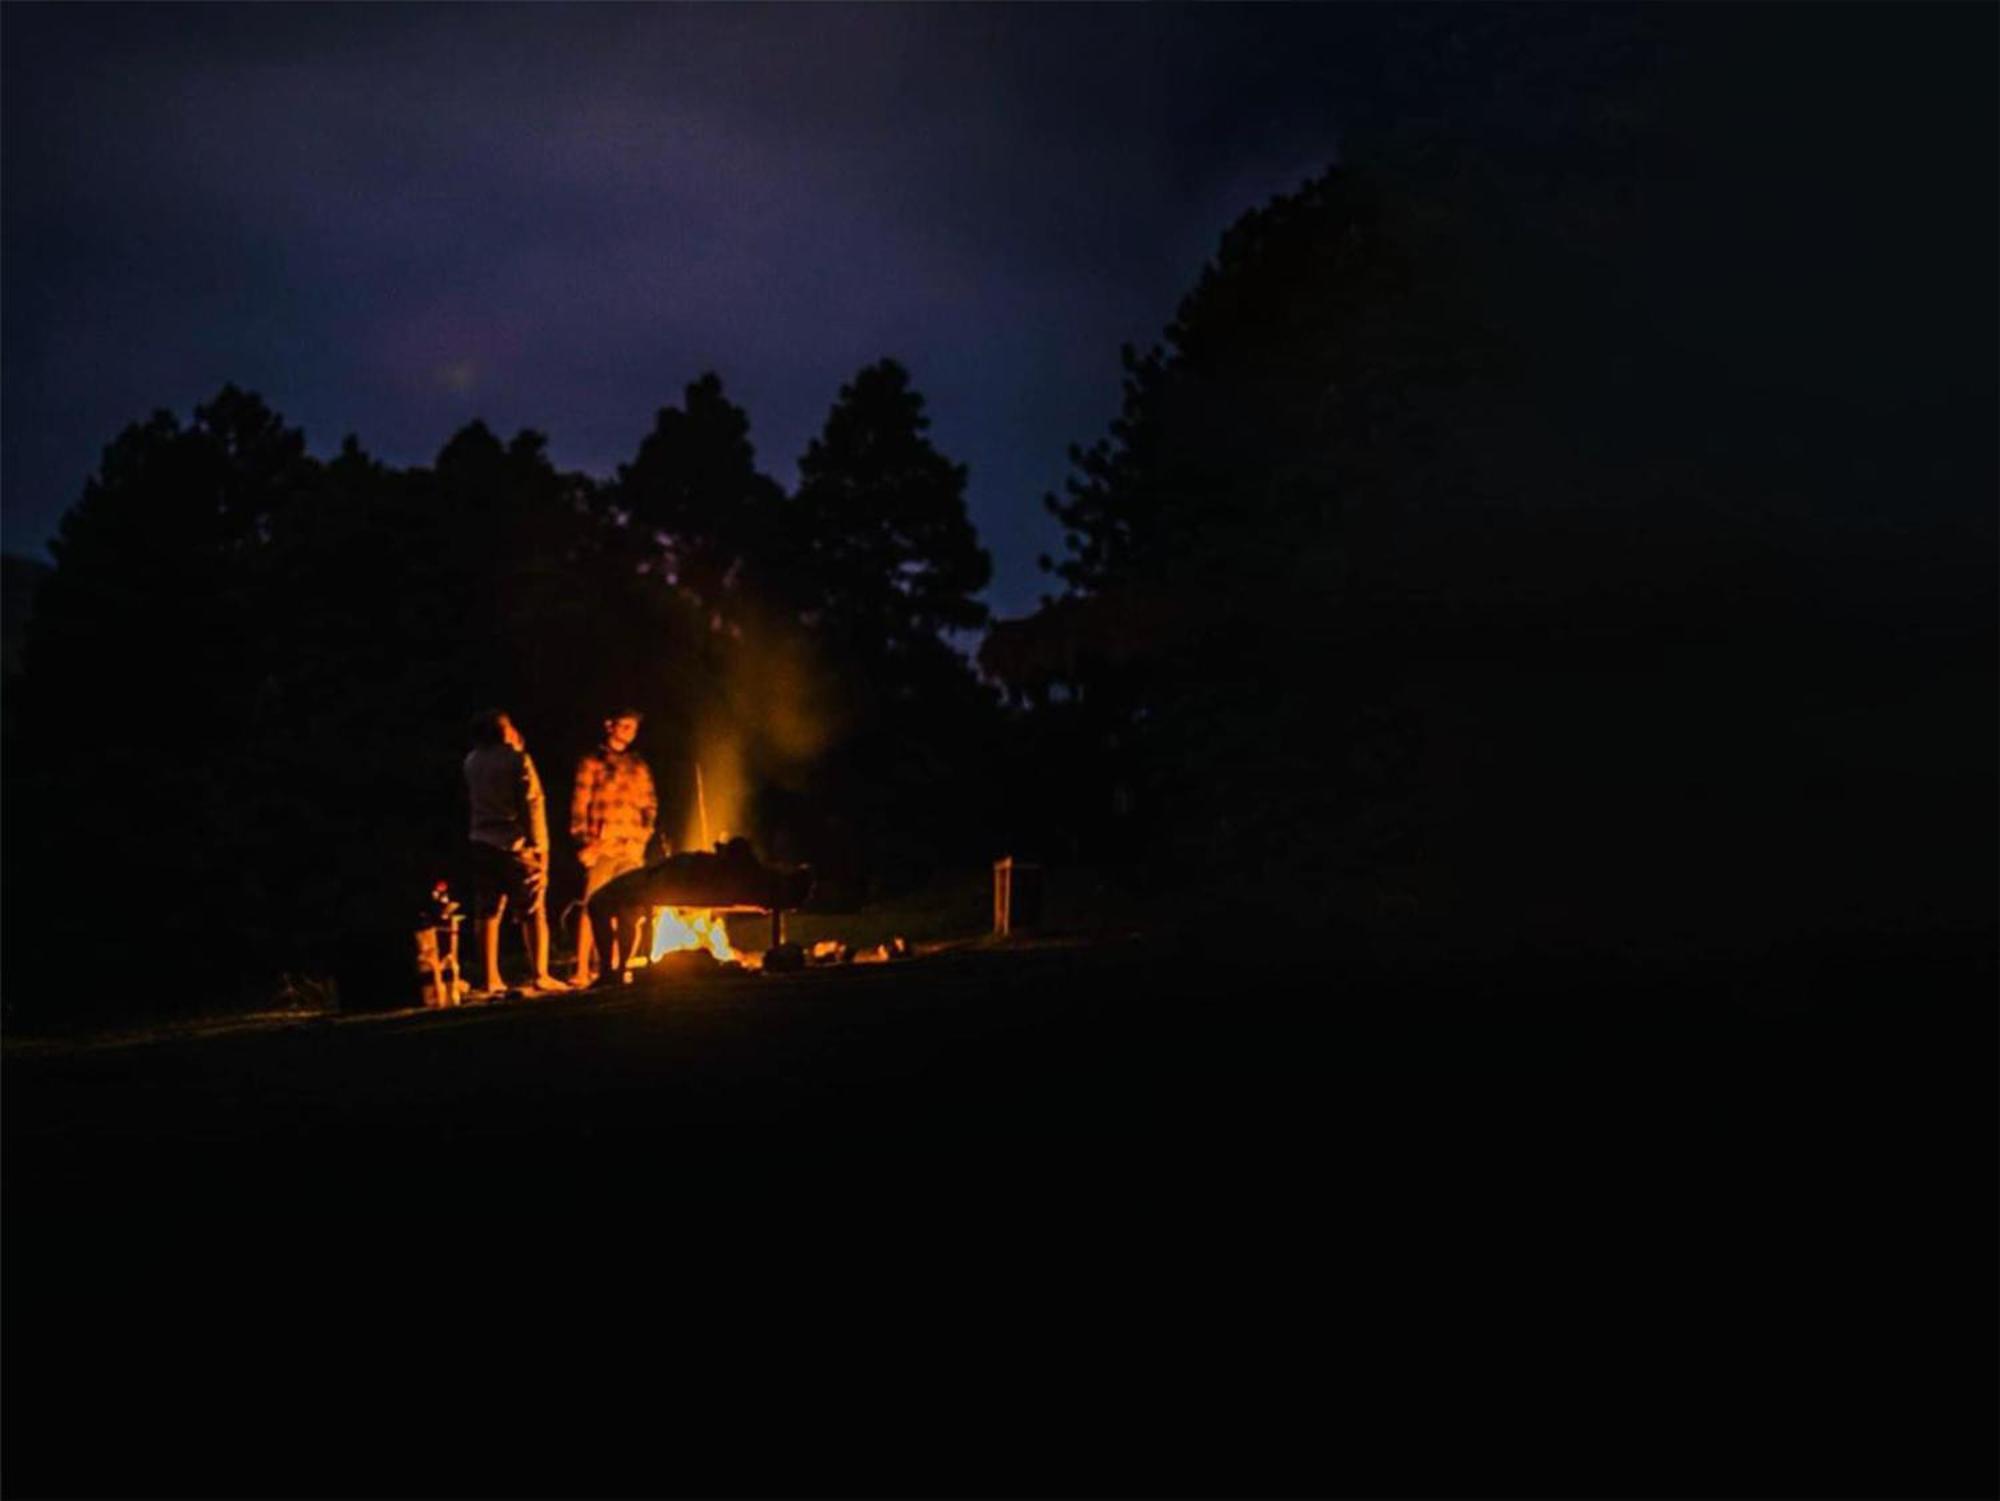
[{"x": 677, "y": 928}]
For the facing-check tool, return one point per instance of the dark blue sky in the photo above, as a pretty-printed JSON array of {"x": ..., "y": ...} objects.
[{"x": 389, "y": 220}]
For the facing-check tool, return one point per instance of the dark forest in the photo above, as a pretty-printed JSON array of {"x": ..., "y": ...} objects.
[
  {"x": 1375, "y": 617},
  {"x": 1501, "y": 774}
]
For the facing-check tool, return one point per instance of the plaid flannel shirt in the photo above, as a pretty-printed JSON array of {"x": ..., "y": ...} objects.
[{"x": 614, "y": 805}]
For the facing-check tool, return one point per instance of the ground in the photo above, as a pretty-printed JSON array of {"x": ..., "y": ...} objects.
[{"x": 1068, "y": 1217}]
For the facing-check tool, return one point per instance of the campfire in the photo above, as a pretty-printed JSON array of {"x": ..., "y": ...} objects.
[
  {"x": 727, "y": 873},
  {"x": 676, "y": 929},
  {"x": 687, "y": 896},
  {"x": 676, "y": 937}
]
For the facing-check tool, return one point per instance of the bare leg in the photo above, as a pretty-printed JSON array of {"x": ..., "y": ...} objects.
[
  {"x": 538, "y": 938},
  {"x": 615, "y": 937},
  {"x": 489, "y": 944},
  {"x": 583, "y": 948}
]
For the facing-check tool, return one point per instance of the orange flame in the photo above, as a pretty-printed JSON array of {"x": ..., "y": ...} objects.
[{"x": 677, "y": 928}]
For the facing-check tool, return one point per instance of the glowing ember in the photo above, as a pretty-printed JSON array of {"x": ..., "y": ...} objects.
[{"x": 677, "y": 928}]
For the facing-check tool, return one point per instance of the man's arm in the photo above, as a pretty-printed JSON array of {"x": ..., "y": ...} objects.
[
  {"x": 534, "y": 807},
  {"x": 589, "y": 778},
  {"x": 649, "y": 799}
]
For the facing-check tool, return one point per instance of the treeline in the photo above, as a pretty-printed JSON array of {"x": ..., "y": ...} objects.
[
  {"x": 1441, "y": 583},
  {"x": 1462, "y": 574},
  {"x": 236, "y": 743}
]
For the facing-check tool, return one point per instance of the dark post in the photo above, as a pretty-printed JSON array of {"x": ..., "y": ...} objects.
[{"x": 1017, "y": 895}]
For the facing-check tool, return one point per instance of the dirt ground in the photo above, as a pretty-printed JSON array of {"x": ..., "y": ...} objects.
[{"x": 1063, "y": 1218}]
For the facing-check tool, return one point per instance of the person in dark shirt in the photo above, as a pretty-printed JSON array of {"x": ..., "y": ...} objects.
[{"x": 510, "y": 846}]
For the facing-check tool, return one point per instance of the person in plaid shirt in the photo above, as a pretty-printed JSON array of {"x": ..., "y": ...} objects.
[{"x": 612, "y": 814}]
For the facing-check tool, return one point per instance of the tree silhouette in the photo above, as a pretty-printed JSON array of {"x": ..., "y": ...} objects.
[
  {"x": 893, "y": 557},
  {"x": 890, "y": 561},
  {"x": 1210, "y": 620},
  {"x": 694, "y": 490},
  {"x": 149, "y": 651},
  {"x": 233, "y": 750}
]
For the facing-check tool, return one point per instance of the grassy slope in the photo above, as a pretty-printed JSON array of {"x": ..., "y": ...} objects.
[{"x": 1071, "y": 1218}]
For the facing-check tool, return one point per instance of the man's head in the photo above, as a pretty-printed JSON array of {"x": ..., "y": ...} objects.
[
  {"x": 495, "y": 727},
  {"x": 621, "y": 728}
]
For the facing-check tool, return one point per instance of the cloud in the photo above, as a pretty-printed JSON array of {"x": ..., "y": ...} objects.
[{"x": 389, "y": 218}]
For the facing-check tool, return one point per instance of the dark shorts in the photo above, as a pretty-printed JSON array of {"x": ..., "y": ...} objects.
[{"x": 516, "y": 877}]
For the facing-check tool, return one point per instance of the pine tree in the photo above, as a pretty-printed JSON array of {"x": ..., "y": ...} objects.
[
  {"x": 1212, "y": 609},
  {"x": 893, "y": 556},
  {"x": 694, "y": 491},
  {"x": 150, "y": 653},
  {"x": 891, "y": 562}
]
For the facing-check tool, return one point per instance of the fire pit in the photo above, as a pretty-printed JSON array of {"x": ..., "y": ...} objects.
[{"x": 685, "y": 897}]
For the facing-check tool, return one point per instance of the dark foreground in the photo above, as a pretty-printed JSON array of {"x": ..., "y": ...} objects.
[{"x": 1060, "y": 1221}]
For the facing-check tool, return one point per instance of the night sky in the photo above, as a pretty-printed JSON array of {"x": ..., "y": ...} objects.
[
  {"x": 391, "y": 220},
  {"x": 1514, "y": 859}
]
